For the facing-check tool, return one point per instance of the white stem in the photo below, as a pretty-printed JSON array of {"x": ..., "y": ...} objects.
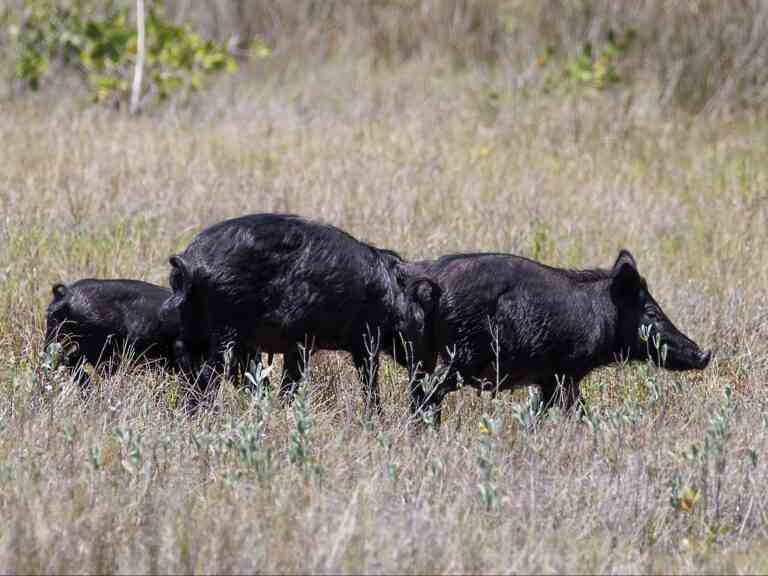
[{"x": 140, "y": 49}]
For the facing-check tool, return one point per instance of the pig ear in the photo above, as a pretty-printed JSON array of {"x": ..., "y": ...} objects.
[
  {"x": 626, "y": 278},
  {"x": 624, "y": 257},
  {"x": 180, "y": 274},
  {"x": 176, "y": 261},
  {"x": 59, "y": 291},
  {"x": 425, "y": 292}
]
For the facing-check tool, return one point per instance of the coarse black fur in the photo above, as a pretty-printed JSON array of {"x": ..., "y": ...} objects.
[
  {"x": 274, "y": 282},
  {"x": 100, "y": 319},
  {"x": 550, "y": 323}
]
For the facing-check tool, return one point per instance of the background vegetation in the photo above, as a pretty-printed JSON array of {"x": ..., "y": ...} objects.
[{"x": 560, "y": 130}]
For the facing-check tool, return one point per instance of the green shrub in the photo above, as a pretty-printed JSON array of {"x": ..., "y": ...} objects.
[
  {"x": 595, "y": 67},
  {"x": 100, "y": 45}
]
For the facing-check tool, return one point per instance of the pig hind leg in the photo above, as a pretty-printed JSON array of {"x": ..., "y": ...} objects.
[
  {"x": 76, "y": 364},
  {"x": 100, "y": 351},
  {"x": 367, "y": 365},
  {"x": 293, "y": 369},
  {"x": 464, "y": 367},
  {"x": 562, "y": 391},
  {"x": 296, "y": 364}
]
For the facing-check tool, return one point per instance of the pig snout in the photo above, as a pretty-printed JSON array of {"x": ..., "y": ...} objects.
[
  {"x": 702, "y": 359},
  {"x": 687, "y": 356}
]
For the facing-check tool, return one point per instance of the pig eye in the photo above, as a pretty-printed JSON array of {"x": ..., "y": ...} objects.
[{"x": 651, "y": 314}]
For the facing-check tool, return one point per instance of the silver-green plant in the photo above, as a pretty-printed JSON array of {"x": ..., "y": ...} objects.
[
  {"x": 51, "y": 357},
  {"x": 300, "y": 452},
  {"x": 651, "y": 338},
  {"x": 95, "y": 458},
  {"x": 393, "y": 470},
  {"x": 487, "y": 463},
  {"x": 130, "y": 448},
  {"x": 246, "y": 441},
  {"x": 709, "y": 463},
  {"x": 527, "y": 414}
]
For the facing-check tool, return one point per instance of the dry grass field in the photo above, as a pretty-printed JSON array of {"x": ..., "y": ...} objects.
[{"x": 428, "y": 128}]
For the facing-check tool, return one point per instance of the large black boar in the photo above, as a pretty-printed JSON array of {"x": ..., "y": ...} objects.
[
  {"x": 550, "y": 323},
  {"x": 100, "y": 318},
  {"x": 275, "y": 281}
]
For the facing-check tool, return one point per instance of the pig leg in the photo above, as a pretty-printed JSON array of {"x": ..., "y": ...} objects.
[
  {"x": 241, "y": 364},
  {"x": 573, "y": 398},
  {"x": 197, "y": 392},
  {"x": 183, "y": 359},
  {"x": 76, "y": 365},
  {"x": 258, "y": 361},
  {"x": 420, "y": 361},
  {"x": 368, "y": 369},
  {"x": 270, "y": 359},
  {"x": 416, "y": 395},
  {"x": 451, "y": 382},
  {"x": 224, "y": 349},
  {"x": 233, "y": 354},
  {"x": 295, "y": 369},
  {"x": 292, "y": 369},
  {"x": 565, "y": 393},
  {"x": 416, "y": 376}
]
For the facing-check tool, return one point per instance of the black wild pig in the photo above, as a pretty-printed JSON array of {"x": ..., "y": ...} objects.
[
  {"x": 275, "y": 281},
  {"x": 100, "y": 318},
  {"x": 551, "y": 323}
]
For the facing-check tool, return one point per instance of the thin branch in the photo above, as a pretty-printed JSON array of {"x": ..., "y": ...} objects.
[{"x": 139, "y": 71}]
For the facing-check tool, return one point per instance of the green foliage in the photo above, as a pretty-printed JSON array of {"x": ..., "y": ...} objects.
[
  {"x": 177, "y": 58},
  {"x": 593, "y": 67},
  {"x": 101, "y": 46}
]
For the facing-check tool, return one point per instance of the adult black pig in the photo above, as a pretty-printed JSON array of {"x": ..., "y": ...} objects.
[
  {"x": 550, "y": 324},
  {"x": 101, "y": 318},
  {"x": 276, "y": 281}
]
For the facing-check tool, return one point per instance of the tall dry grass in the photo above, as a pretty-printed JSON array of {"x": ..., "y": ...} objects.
[
  {"x": 425, "y": 155},
  {"x": 704, "y": 56}
]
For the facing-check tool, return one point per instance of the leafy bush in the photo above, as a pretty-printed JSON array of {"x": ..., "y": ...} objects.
[
  {"x": 100, "y": 45},
  {"x": 701, "y": 56},
  {"x": 591, "y": 67}
]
